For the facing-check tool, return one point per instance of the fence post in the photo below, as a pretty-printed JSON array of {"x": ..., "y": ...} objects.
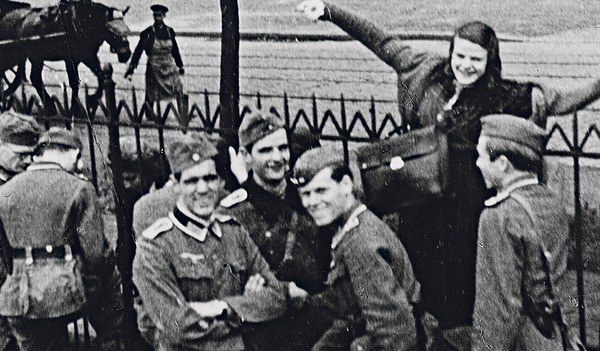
[
  {"x": 125, "y": 243},
  {"x": 578, "y": 233},
  {"x": 230, "y": 85}
]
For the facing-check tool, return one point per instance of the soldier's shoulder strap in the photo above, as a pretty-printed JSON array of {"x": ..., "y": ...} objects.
[
  {"x": 234, "y": 198},
  {"x": 160, "y": 226}
]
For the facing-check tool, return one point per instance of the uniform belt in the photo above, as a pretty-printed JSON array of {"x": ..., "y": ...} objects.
[{"x": 49, "y": 251}]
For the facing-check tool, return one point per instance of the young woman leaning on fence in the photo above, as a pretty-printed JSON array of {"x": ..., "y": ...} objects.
[{"x": 453, "y": 92}]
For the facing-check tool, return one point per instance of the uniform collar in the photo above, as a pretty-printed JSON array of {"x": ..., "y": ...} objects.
[
  {"x": 505, "y": 193},
  {"x": 351, "y": 223},
  {"x": 41, "y": 166},
  {"x": 195, "y": 226}
]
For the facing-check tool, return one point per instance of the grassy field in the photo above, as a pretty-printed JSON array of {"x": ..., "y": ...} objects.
[{"x": 531, "y": 18}]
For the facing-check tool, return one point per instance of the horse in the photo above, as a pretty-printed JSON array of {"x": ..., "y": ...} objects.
[{"x": 71, "y": 31}]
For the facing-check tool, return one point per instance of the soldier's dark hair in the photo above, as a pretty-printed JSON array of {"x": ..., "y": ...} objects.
[
  {"x": 522, "y": 158},
  {"x": 41, "y": 149},
  {"x": 338, "y": 173}
]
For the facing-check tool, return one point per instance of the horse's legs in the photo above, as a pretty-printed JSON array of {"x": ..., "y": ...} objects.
[
  {"x": 93, "y": 63},
  {"x": 73, "y": 74},
  {"x": 38, "y": 84}
]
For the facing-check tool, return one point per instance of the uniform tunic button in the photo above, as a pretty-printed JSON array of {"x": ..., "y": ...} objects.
[
  {"x": 271, "y": 252},
  {"x": 268, "y": 234}
]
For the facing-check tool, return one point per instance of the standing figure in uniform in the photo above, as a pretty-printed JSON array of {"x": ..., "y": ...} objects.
[
  {"x": 371, "y": 288},
  {"x": 60, "y": 255},
  {"x": 199, "y": 274},
  {"x": 268, "y": 206},
  {"x": 523, "y": 242},
  {"x": 19, "y": 134},
  {"x": 18, "y": 137},
  {"x": 164, "y": 67}
]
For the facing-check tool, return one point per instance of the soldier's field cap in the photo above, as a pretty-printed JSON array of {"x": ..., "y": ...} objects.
[
  {"x": 62, "y": 137},
  {"x": 159, "y": 8},
  {"x": 514, "y": 129},
  {"x": 258, "y": 125},
  {"x": 315, "y": 160},
  {"x": 189, "y": 150},
  {"x": 19, "y": 129}
]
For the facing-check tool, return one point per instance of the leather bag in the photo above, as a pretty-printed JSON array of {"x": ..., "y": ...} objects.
[{"x": 405, "y": 169}]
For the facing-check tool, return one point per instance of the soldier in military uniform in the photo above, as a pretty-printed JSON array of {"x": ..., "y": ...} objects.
[
  {"x": 268, "y": 206},
  {"x": 199, "y": 275},
  {"x": 18, "y": 136},
  {"x": 371, "y": 287},
  {"x": 53, "y": 223}
]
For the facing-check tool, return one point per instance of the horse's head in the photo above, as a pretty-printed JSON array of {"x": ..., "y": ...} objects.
[
  {"x": 118, "y": 32},
  {"x": 103, "y": 23}
]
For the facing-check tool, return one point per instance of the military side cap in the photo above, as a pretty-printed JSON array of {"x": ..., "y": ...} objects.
[
  {"x": 159, "y": 8},
  {"x": 190, "y": 150},
  {"x": 19, "y": 129},
  {"x": 258, "y": 125},
  {"x": 514, "y": 129},
  {"x": 62, "y": 137},
  {"x": 315, "y": 160}
]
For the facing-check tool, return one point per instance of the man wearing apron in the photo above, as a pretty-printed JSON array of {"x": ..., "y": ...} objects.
[{"x": 164, "y": 67}]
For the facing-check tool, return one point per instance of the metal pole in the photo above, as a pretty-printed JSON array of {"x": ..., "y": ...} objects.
[
  {"x": 125, "y": 242},
  {"x": 578, "y": 233},
  {"x": 230, "y": 85}
]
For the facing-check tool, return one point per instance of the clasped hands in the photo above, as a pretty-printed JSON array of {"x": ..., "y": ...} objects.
[{"x": 219, "y": 309}]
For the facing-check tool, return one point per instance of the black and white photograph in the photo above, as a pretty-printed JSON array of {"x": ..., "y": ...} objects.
[{"x": 299, "y": 175}]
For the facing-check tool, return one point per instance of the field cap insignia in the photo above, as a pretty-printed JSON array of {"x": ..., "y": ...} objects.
[
  {"x": 160, "y": 226},
  {"x": 234, "y": 198}
]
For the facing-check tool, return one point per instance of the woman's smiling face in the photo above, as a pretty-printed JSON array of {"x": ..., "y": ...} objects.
[{"x": 468, "y": 61}]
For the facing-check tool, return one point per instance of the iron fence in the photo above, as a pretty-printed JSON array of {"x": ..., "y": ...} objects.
[{"x": 105, "y": 122}]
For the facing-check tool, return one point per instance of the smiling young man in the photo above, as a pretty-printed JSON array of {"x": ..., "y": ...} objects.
[
  {"x": 371, "y": 288},
  {"x": 522, "y": 242},
  {"x": 199, "y": 274},
  {"x": 268, "y": 206}
]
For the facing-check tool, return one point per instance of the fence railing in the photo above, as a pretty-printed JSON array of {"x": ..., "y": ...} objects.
[{"x": 106, "y": 122}]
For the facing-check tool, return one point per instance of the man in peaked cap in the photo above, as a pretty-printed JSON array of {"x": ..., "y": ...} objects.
[
  {"x": 200, "y": 268},
  {"x": 62, "y": 261},
  {"x": 371, "y": 288},
  {"x": 267, "y": 205},
  {"x": 19, "y": 134},
  {"x": 524, "y": 222},
  {"x": 164, "y": 66}
]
